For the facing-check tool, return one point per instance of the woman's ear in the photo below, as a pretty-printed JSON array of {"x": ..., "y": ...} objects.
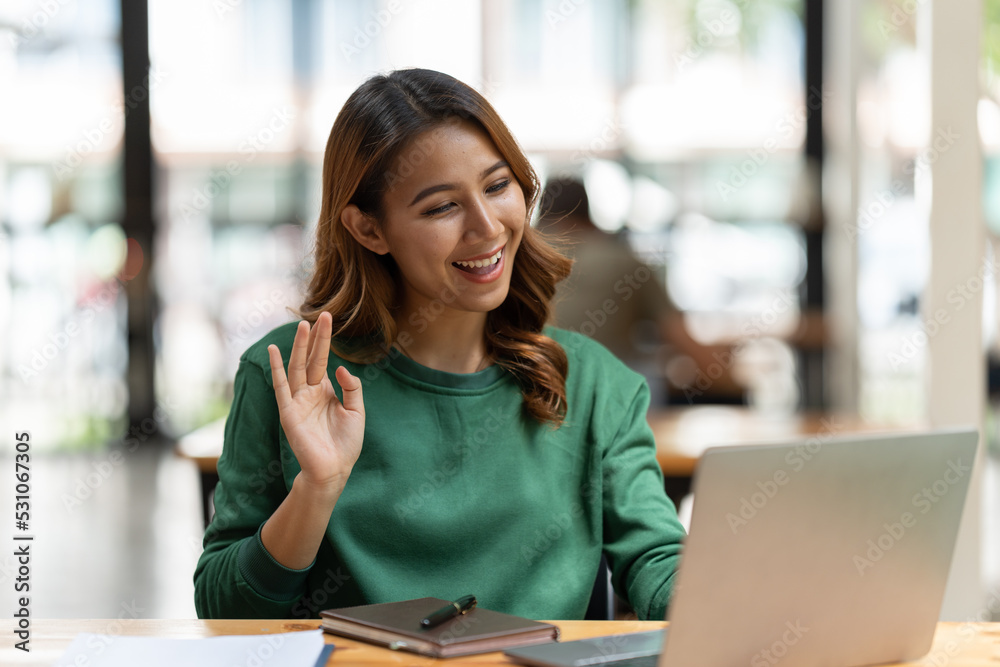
[{"x": 364, "y": 229}]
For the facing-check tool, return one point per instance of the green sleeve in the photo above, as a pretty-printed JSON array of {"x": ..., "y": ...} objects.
[
  {"x": 642, "y": 534},
  {"x": 236, "y": 577}
]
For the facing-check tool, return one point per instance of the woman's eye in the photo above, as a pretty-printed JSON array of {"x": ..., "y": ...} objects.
[
  {"x": 493, "y": 189},
  {"x": 440, "y": 209}
]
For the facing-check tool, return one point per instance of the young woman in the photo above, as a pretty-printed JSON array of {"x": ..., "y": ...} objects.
[{"x": 464, "y": 447}]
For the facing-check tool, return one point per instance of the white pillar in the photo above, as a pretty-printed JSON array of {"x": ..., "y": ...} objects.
[
  {"x": 949, "y": 40},
  {"x": 840, "y": 195}
]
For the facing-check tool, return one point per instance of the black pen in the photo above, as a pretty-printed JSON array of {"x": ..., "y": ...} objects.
[{"x": 456, "y": 608}]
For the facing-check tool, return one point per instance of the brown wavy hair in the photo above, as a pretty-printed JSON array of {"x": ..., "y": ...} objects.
[{"x": 380, "y": 121}]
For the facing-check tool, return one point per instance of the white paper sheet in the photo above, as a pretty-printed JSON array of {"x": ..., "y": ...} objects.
[{"x": 294, "y": 649}]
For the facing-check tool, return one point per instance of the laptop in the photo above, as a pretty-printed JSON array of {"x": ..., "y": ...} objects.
[{"x": 807, "y": 554}]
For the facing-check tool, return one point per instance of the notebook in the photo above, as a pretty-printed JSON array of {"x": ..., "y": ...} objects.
[
  {"x": 811, "y": 553},
  {"x": 397, "y": 626}
]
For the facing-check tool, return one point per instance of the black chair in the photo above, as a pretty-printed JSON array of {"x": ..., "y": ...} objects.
[{"x": 602, "y": 599}]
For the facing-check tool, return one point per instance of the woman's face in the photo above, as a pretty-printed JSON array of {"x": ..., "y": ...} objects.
[{"x": 453, "y": 219}]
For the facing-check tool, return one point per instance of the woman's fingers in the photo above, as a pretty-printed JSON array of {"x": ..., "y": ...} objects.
[
  {"x": 351, "y": 386},
  {"x": 319, "y": 349},
  {"x": 297, "y": 360},
  {"x": 282, "y": 393}
]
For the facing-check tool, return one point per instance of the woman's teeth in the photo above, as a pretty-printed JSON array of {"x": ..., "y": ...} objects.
[{"x": 479, "y": 263}]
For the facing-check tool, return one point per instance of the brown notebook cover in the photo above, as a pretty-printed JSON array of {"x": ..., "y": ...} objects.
[{"x": 397, "y": 626}]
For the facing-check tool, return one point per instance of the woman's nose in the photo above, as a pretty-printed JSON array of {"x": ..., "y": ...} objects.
[{"x": 482, "y": 222}]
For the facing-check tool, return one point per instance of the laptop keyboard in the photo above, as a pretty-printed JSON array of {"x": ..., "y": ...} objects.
[
  {"x": 638, "y": 648},
  {"x": 645, "y": 661}
]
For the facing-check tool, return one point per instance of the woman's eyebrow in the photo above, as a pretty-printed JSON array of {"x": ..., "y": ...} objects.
[
  {"x": 489, "y": 170},
  {"x": 426, "y": 192}
]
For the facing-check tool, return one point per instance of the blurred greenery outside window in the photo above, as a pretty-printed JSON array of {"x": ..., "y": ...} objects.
[
  {"x": 989, "y": 130},
  {"x": 893, "y": 120},
  {"x": 687, "y": 120},
  {"x": 63, "y": 330},
  {"x": 989, "y": 115}
]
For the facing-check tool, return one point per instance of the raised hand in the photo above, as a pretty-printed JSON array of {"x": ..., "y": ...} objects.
[{"x": 325, "y": 434}]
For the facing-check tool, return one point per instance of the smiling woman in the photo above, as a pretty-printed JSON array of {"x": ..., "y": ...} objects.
[
  {"x": 417, "y": 155},
  {"x": 483, "y": 452},
  {"x": 459, "y": 237}
]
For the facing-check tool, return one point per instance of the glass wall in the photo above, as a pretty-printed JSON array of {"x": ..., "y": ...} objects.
[
  {"x": 590, "y": 89},
  {"x": 989, "y": 131},
  {"x": 63, "y": 352},
  {"x": 893, "y": 118},
  {"x": 715, "y": 118},
  {"x": 686, "y": 120}
]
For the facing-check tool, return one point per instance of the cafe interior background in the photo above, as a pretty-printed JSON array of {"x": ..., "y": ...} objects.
[{"x": 698, "y": 126}]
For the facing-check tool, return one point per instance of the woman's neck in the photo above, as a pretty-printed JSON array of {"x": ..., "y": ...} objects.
[{"x": 453, "y": 342}]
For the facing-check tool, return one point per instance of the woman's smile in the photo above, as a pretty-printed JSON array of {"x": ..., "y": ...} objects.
[{"x": 482, "y": 269}]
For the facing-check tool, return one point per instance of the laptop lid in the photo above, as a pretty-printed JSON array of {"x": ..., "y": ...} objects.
[{"x": 816, "y": 553}]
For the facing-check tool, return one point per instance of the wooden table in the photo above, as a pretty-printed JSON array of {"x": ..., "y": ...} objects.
[
  {"x": 203, "y": 446},
  {"x": 683, "y": 434},
  {"x": 955, "y": 644}
]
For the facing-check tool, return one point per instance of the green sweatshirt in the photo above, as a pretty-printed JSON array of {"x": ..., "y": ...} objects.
[{"x": 456, "y": 492}]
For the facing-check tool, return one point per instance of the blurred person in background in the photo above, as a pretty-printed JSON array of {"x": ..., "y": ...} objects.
[{"x": 618, "y": 300}]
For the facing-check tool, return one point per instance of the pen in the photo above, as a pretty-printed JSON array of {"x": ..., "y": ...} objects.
[{"x": 453, "y": 609}]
